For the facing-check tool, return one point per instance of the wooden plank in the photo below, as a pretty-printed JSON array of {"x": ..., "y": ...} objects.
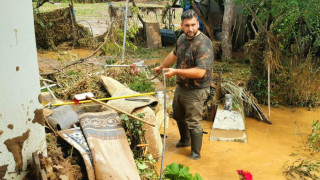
[{"x": 153, "y": 35}]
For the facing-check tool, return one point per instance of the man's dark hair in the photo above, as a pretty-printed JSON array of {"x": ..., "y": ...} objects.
[{"x": 188, "y": 14}]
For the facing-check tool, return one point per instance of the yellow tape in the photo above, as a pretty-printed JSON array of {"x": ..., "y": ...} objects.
[{"x": 105, "y": 99}]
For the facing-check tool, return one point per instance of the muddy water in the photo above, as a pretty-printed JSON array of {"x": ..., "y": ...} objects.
[
  {"x": 75, "y": 53},
  {"x": 268, "y": 147}
]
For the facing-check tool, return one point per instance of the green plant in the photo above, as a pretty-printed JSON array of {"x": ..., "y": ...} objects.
[
  {"x": 146, "y": 167},
  {"x": 141, "y": 84},
  {"x": 135, "y": 135},
  {"x": 178, "y": 171},
  {"x": 314, "y": 139},
  {"x": 302, "y": 169},
  {"x": 115, "y": 39},
  {"x": 133, "y": 129},
  {"x": 111, "y": 60},
  {"x": 72, "y": 72},
  {"x": 296, "y": 22}
]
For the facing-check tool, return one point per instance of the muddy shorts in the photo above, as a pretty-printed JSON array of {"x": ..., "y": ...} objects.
[{"x": 188, "y": 106}]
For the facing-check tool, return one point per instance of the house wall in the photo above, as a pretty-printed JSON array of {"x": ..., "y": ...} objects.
[{"x": 21, "y": 124}]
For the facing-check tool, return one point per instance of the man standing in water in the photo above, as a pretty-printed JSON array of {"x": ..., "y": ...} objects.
[{"x": 194, "y": 57}]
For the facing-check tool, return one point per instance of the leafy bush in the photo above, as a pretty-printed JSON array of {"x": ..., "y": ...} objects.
[
  {"x": 141, "y": 84},
  {"x": 314, "y": 139},
  {"x": 297, "y": 22},
  {"x": 135, "y": 134}
]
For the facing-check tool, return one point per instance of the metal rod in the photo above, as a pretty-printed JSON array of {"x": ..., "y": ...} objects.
[
  {"x": 165, "y": 119},
  {"x": 125, "y": 31},
  {"x": 170, "y": 18},
  {"x": 269, "y": 91},
  {"x": 45, "y": 84},
  {"x": 51, "y": 85}
]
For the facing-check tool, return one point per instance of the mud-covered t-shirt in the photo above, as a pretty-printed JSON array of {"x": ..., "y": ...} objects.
[{"x": 191, "y": 53}]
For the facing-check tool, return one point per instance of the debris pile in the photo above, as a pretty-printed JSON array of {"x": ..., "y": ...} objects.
[
  {"x": 101, "y": 126},
  {"x": 56, "y": 27}
]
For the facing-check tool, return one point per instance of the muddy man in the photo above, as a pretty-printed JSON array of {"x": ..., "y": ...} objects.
[{"x": 194, "y": 56}]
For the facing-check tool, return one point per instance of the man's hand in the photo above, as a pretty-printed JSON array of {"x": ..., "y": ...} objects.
[
  {"x": 158, "y": 69},
  {"x": 170, "y": 72}
]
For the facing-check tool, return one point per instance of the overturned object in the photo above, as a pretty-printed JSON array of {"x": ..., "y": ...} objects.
[
  {"x": 115, "y": 88},
  {"x": 228, "y": 126},
  {"x": 63, "y": 117}
]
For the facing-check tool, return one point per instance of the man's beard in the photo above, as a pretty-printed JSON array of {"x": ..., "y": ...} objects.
[{"x": 194, "y": 34}]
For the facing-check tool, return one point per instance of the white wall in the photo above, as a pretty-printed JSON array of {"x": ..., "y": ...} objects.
[{"x": 19, "y": 83}]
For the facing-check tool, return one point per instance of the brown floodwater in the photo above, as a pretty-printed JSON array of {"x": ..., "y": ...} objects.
[
  {"x": 269, "y": 147},
  {"x": 76, "y": 53}
]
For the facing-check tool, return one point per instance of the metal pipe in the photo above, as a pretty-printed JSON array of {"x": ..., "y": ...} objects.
[
  {"x": 125, "y": 31},
  {"x": 170, "y": 18},
  {"x": 51, "y": 85},
  {"x": 269, "y": 90},
  {"x": 45, "y": 84},
  {"x": 165, "y": 119}
]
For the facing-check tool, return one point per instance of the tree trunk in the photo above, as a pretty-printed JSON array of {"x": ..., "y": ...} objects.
[{"x": 226, "y": 30}]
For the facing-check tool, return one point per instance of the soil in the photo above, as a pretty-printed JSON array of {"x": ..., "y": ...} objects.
[
  {"x": 38, "y": 117},
  {"x": 15, "y": 146},
  {"x": 10, "y": 126},
  {"x": 3, "y": 170}
]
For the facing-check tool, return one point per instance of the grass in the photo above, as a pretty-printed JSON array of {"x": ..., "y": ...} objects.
[
  {"x": 145, "y": 53},
  {"x": 233, "y": 71},
  {"x": 81, "y": 10}
]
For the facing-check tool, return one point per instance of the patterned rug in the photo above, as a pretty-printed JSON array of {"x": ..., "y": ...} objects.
[
  {"x": 111, "y": 154},
  {"x": 76, "y": 139}
]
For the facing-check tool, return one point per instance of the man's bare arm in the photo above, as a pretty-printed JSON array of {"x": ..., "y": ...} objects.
[
  {"x": 191, "y": 73},
  {"x": 170, "y": 59}
]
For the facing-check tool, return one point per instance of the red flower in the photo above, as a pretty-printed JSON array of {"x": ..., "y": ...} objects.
[{"x": 245, "y": 174}]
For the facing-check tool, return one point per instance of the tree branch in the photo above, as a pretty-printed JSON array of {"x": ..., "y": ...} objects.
[
  {"x": 255, "y": 17},
  {"x": 208, "y": 29},
  {"x": 39, "y": 4},
  {"x": 140, "y": 18}
]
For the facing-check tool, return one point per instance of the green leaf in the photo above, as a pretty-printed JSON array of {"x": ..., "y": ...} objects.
[
  {"x": 198, "y": 177},
  {"x": 172, "y": 169},
  {"x": 141, "y": 165}
]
